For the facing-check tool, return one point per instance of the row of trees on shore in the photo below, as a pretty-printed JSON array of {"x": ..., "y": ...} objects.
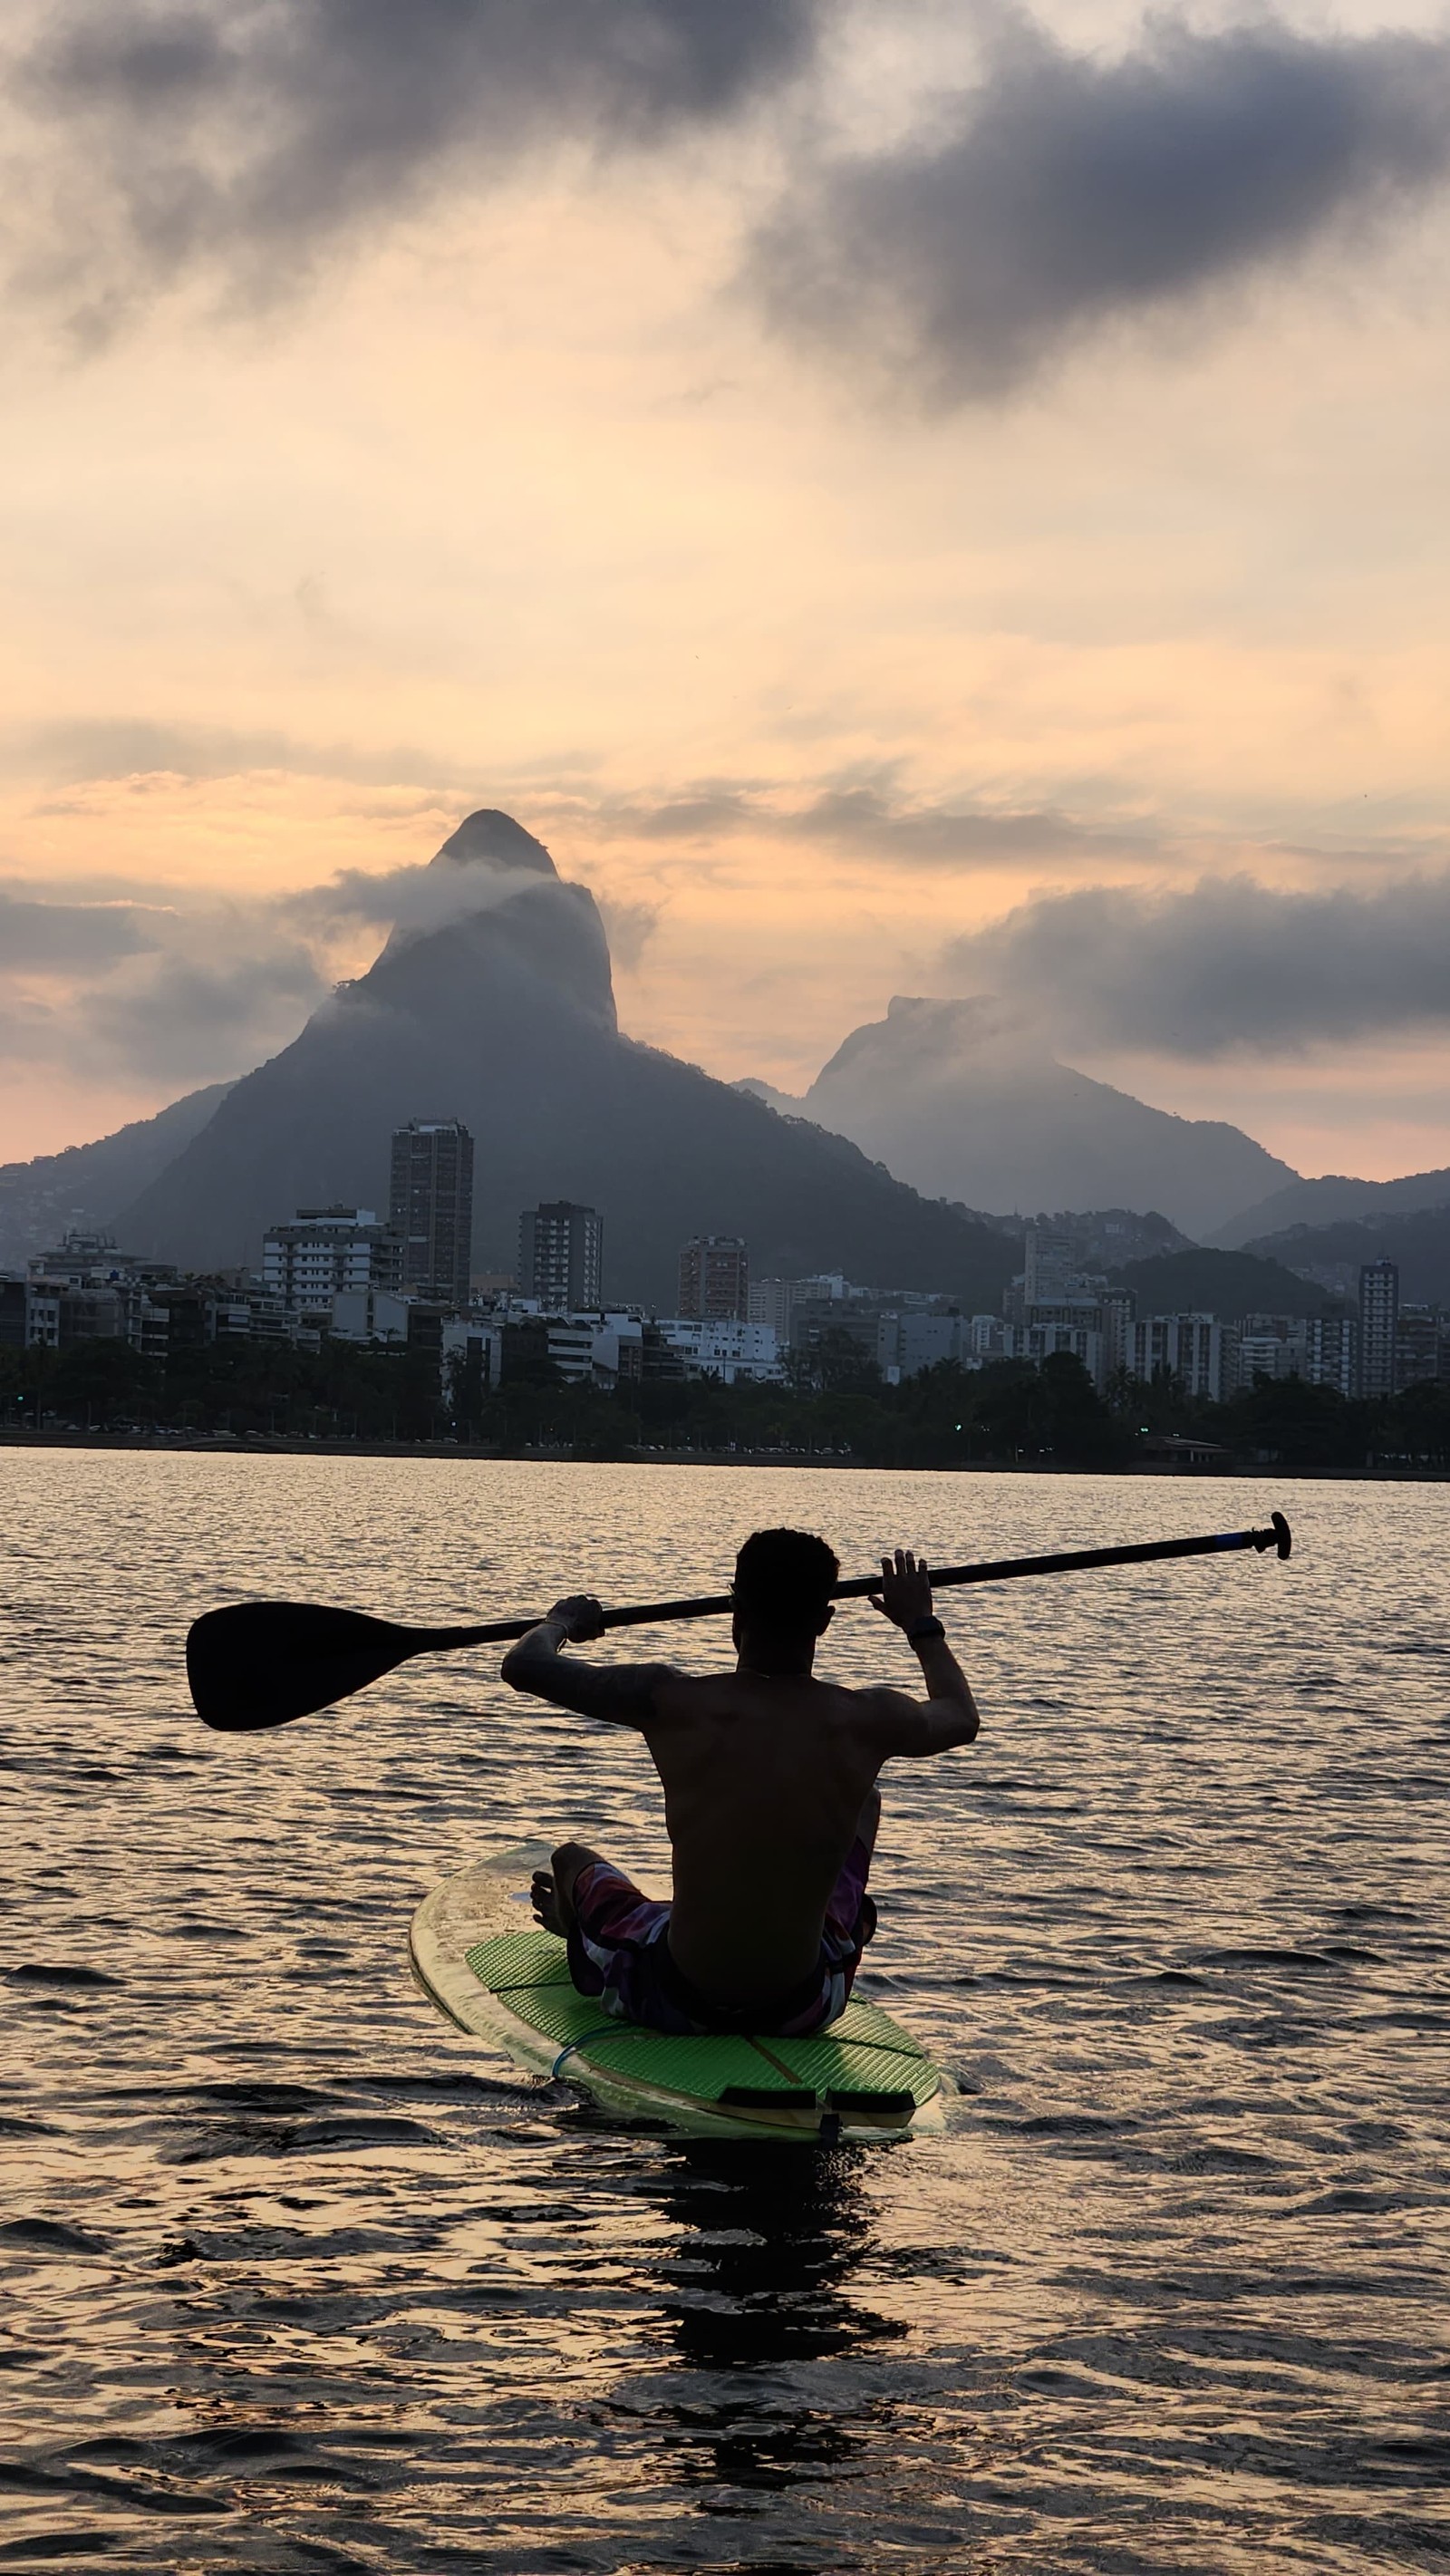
[{"x": 1007, "y": 1414}]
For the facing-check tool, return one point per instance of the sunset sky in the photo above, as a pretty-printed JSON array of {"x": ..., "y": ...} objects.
[{"x": 901, "y": 499}]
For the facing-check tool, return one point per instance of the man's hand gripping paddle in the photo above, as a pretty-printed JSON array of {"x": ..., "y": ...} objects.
[{"x": 262, "y": 1663}]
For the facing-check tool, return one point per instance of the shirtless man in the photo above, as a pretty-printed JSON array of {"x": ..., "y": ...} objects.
[{"x": 770, "y": 1799}]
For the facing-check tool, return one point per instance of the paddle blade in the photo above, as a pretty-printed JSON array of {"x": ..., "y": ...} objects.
[{"x": 262, "y": 1663}]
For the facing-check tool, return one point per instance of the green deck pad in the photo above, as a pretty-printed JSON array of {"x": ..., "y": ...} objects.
[
  {"x": 520, "y": 1959},
  {"x": 702, "y": 2068},
  {"x": 839, "y": 2060},
  {"x": 864, "y": 2052}
]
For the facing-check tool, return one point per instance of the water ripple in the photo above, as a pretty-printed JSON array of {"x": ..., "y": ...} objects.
[{"x": 299, "y": 2279}]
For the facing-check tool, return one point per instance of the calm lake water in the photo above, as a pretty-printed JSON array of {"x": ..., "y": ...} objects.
[{"x": 298, "y": 2278}]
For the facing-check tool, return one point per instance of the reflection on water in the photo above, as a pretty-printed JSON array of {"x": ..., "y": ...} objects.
[
  {"x": 300, "y": 2279},
  {"x": 766, "y": 2244}
]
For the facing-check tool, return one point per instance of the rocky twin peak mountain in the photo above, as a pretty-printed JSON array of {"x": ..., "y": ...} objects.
[
  {"x": 492, "y": 1001},
  {"x": 509, "y": 925}
]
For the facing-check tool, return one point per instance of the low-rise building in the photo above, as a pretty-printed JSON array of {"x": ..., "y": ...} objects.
[
  {"x": 329, "y": 1252},
  {"x": 908, "y": 1342},
  {"x": 369, "y": 1315},
  {"x": 734, "y": 1352},
  {"x": 95, "y": 1261},
  {"x": 1039, "y": 1341},
  {"x": 1198, "y": 1350},
  {"x": 470, "y": 1349}
]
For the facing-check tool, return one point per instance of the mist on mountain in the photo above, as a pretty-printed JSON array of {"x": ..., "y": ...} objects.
[{"x": 961, "y": 1099}]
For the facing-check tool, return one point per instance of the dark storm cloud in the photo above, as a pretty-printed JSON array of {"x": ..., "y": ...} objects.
[
  {"x": 116, "y": 985},
  {"x": 193, "y": 1018},
  {"x": 45, "y": 938},
  {"x": 1066, "y": 192},
  {"x": 253, "y": 133},
  {"x": 1228, "y": 966}
]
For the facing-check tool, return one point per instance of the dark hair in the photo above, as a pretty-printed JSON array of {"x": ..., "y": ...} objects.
[{"x": 783, "y": 1580}]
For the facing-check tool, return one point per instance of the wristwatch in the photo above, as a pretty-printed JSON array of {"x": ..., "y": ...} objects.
[{"x": 922, "y": 1630}]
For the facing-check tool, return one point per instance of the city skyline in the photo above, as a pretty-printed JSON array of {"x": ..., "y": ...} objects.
[{"x": 335, "y": 1275}]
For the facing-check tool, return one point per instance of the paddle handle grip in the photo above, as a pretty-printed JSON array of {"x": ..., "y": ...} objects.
[{"x": 1006, "y": 1569}]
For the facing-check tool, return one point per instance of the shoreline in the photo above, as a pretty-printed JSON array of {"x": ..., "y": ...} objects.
[{"x": 279, "y": 1445}]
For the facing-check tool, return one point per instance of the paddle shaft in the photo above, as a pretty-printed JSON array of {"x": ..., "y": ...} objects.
[{"x": 1005, "y": 1569}]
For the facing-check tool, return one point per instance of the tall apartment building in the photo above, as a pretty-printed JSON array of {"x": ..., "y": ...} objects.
[
  {"x": 561, "y": 1256},
  {"x": 1418, "y": 1342},
  {"x": 329, "y": 1252},
  {"x": 1051, "y": 1266},
  {"x": 1379, "y": 1317},
  {"x": 714, "y": 1279},
  {"x": 430, "y": 1206},
  {"x": 1331, "y": 1352}
]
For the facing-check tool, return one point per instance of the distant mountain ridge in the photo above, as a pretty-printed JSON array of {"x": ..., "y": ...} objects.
[
  {"x": 1203, "y": 1281},
  {"x": 84, "y": 1187},
  {"x": 1329, "y": 1201},
  {"x": 961, "y": 1101},
  {"x": 504, "y": 1016},
  {"x": 1417, "y": 1240}
]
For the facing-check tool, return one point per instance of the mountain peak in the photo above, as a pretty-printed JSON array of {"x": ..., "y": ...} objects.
[
  {"x": 964, "y": 1100},
  {"x": 495, "y": 839}
]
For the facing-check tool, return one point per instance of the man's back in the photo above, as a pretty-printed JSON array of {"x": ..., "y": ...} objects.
[{"x": 765, "y": 1778}]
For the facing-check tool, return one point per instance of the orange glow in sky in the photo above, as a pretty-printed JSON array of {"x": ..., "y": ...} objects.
[{"x": 520, "y": 500}]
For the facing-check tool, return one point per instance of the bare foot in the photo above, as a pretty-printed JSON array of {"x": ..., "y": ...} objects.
[{"x": 545, "y": 1895}]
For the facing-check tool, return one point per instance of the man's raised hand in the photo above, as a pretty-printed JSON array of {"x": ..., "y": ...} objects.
[{"x": 905, "y": 1589}]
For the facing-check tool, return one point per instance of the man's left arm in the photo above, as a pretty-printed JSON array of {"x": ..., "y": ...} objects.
[{"x": 621, "y": 1694}]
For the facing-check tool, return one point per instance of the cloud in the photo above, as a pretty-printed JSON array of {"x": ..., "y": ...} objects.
[
  {"x": 188, "y": 1019},
  {"x": 115, "y": 987},
  {"x": 1228, "y": 966},
  {"x": 192, "y": 989},
  {"x": 251, "y": 134},
  {"x": 862, "y": 819},
  {"x": 1066, "y": 192},
  {"x": 42, "y": 938},
  {"x": 867, "y": 822},
  {"x": 418, "y": 897},
  {"x": 629, "y": 927},
  {"x": 79, "y": 749}
]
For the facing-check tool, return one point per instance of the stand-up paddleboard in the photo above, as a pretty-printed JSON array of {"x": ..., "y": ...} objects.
[{"x": 865, "y": 2077}]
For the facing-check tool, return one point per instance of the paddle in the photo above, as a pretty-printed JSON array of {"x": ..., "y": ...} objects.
[{"x": 262, "y": 1663}]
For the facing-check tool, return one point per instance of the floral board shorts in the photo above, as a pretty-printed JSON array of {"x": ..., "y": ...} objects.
[{"x": 619, "y": 1952}]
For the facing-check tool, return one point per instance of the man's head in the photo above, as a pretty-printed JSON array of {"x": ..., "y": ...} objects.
[{"x": 782, "y": 1589}]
